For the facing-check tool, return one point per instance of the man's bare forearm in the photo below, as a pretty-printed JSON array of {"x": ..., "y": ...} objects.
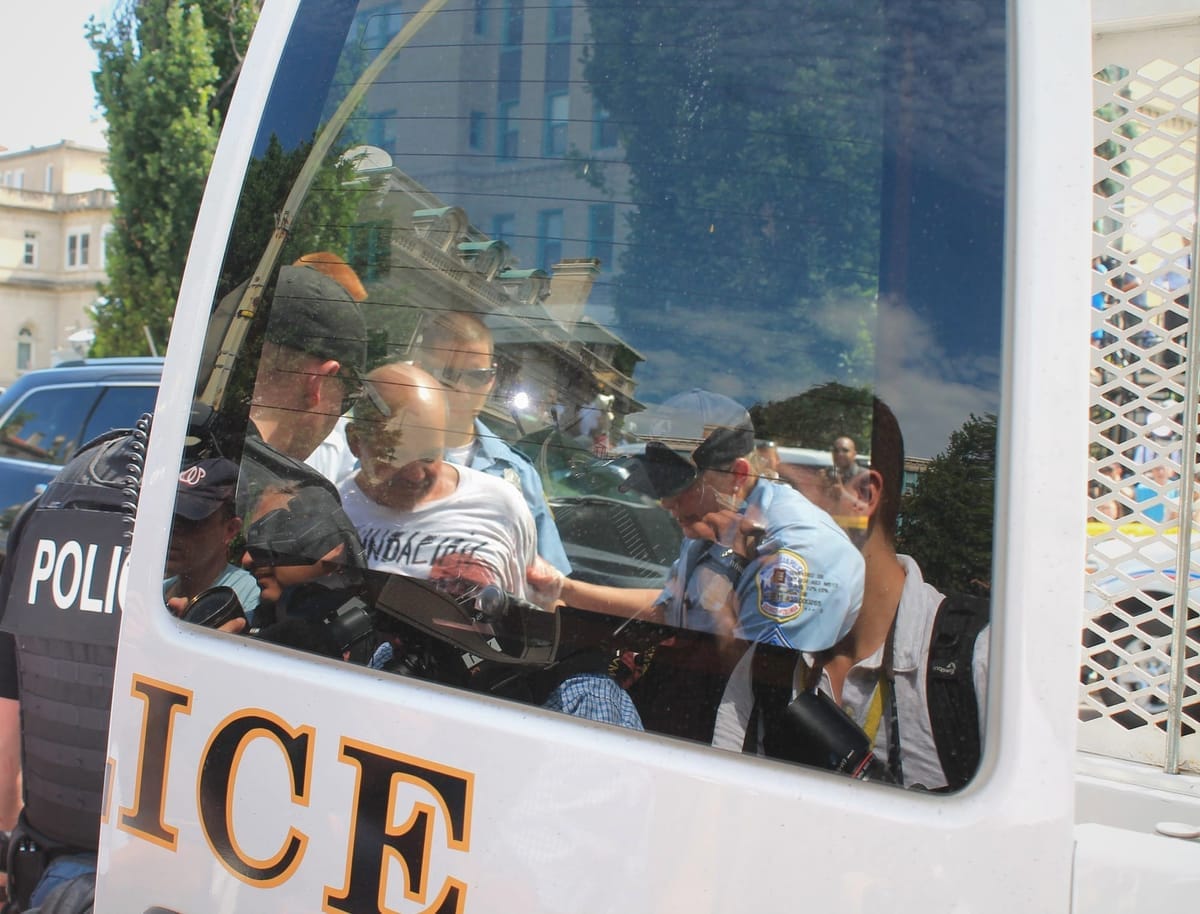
[
  {"x": 630, "y": 602},
  {"x": 10, "y": 762}
]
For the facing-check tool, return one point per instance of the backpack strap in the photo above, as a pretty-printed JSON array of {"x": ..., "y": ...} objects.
[{"x": 950, "y": 686}]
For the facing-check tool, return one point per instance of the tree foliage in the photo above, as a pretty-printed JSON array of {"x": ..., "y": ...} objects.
[
  {"x": 946, "y": 523},
  {"x": 752, "y": 138},
  {"x": 816, "y": 417},
  {"x": 165, "y": 75}
]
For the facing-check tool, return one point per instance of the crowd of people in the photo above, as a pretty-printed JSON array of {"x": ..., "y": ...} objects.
[{"x": 787, "y": 582}]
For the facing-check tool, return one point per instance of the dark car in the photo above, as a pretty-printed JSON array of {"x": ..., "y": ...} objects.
[{"x": 46, "y": 415}]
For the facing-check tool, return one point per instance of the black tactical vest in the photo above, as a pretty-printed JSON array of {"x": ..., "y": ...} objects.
[{"x": 64, "y": 579}]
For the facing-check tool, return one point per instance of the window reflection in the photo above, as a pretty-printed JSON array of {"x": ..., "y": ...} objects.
[{"x": 597, "y": 408}]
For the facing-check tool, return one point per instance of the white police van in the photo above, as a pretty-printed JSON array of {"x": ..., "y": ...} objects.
[{"x": 639, "y": 200}]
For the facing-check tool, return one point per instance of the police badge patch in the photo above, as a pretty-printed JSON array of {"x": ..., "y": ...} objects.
[
  {"x": 512, "y": 477},
  {"x": 782, "y": 583}
]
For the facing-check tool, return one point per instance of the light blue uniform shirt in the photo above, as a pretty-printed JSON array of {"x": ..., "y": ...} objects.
[
  {"x": 494, "y": 457},
  {"x": 802, "y": 591}
]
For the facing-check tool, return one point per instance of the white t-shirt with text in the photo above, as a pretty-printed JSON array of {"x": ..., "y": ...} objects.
[{"x": 482, "y": 530}]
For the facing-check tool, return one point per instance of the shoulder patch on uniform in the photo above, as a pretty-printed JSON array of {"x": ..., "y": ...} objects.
[
  {"x": 782, "y": 581},
  {"x": 512, "y": 477}
]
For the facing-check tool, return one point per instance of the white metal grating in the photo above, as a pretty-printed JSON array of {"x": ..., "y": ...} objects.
[{"x": 1145, "y": 219}]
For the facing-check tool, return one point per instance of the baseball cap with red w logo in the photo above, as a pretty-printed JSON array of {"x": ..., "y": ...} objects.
[{"x": 204, "y": 486}]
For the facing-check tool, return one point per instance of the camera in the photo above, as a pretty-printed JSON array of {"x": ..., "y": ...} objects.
[{"x": 813, "y": 730}]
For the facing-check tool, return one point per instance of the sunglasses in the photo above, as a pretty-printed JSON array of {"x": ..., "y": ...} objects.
[
  {"x": 467, "y": 377},
  {"x": 286, "y": 537}
]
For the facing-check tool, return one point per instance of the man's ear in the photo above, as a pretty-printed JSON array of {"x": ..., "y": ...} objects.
[
  {"x": 317, "y": 376},
  {"x": 741, "y": 470},
  {"x": 868, "y": 488}
]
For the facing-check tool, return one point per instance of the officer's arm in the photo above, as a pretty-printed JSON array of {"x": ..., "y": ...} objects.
[
  {"x": 10, "y": 762},
  {"x": 632, "y": 603}
]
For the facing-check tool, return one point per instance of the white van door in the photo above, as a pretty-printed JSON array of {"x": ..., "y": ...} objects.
[{"x": 580, "y": 226}]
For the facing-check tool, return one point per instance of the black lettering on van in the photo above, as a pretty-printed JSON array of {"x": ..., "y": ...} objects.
[
  {"x": 374, "y": 840},
  {"x": 218, "y": 772},
  {"x": 161, "y": 702}
]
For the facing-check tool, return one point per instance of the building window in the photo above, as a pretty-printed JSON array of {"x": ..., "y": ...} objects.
[
  {"x": 19, "y": 178},
  {"x": 550, "y": 238},
  {"x": 514, "y": 23},
  {"x": 371, "y": 249},
  {"x": 560, "y": 20},
  {"x": 382, "y": 26},
  {"x": 554, "y": 141},
  {"x": 49, "y": 179},
  {"x": 476, "y": 130},
  {"x": 30, "y": 256},
  {"x": 604, "y": 132},
  {"x": 507, "y": 136},
  {"x": 381, "y": 129},
  {"x": 600, "y": 233},
  {"x": 24, "y": 349},
  {"x": 481, "y": 9},
  {"x": 77, "y": 249},
  {"x": 504, "y": 228}
]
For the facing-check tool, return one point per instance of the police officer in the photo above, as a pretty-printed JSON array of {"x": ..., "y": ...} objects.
[
  {"x": 758, "y": 563},
  {"x": 457, "y": 349},
  {"x": 796, "y": 582},
  {"x": 61, "y": 580}
]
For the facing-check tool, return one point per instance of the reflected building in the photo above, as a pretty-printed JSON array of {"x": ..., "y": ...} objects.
[
  {"x": 530, "y": 156},
  {"x": 420, "y": 257}
]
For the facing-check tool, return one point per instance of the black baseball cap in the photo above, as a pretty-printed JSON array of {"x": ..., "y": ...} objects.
[
  {"x": 697, "y": 430},
  {"x": 204, "y": 486},
  {"x": 315, "y": 314}
]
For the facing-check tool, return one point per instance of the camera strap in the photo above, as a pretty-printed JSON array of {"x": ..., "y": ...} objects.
[
  {"x": 883, "y": 701},
  {"x": 887, "y": 683}
]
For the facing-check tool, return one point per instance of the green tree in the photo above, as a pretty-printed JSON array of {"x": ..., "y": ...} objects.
[
  {"x": 816, "y": 417},
  {"x": 165, "y": 75},
  {"x": 946, "y": 523},
  {"x": 753, "y": 145}
]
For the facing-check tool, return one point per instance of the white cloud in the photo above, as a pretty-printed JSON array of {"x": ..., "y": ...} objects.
[{"x": 931, "y": 391}]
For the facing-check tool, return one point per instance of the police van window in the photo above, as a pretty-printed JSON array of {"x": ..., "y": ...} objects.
[{"x": 621, "y": 460}]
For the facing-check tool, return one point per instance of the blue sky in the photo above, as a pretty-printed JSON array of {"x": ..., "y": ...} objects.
[{"x": 44, "y": 47}]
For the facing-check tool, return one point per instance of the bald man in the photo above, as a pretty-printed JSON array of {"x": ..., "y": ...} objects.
[
  {"x": 423, "y": 517},
  {"x": 419, "y": 515}
]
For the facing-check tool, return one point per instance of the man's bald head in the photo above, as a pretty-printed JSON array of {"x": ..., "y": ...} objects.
[
  {"x": 398, "y": 432},
  {"x": 405, "y": 402}
]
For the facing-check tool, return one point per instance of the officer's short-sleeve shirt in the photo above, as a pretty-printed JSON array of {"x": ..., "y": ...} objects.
[{"x": 802, "y": 591}]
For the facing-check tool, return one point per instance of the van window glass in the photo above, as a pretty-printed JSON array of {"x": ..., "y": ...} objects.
[
  {"x": 119, "y": 407},
  {"x": 694, "y": 367},
  {"x": 45, "y": 425}
]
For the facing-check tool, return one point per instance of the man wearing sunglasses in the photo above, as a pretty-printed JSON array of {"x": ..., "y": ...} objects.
[
  {"x": 308, "y": 563},
  {"x": 456, "y": 348}
]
